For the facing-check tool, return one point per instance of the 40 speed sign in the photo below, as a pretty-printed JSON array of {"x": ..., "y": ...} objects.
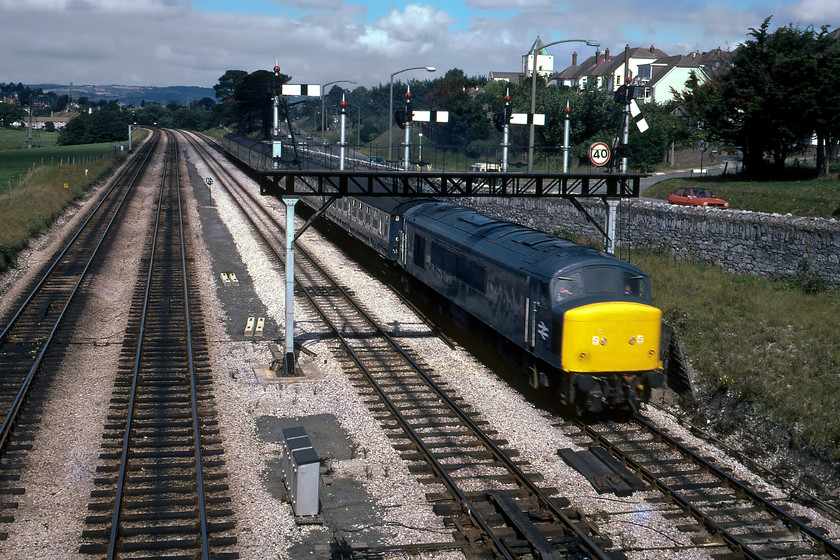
[{"x": 599, "y": 154}]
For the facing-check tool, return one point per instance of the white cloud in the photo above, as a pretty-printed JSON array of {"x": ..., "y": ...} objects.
[
  {"x": 171, "y": 42},
  {"x": 510, "y": 4},
  {"x": 813, "y": 12}
]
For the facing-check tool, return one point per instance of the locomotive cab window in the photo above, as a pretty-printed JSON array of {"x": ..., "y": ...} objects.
[
  {"x": 635, "y": 285},
  {"x": 600, "y": 280},
  {"x": 567, "y": 286}
]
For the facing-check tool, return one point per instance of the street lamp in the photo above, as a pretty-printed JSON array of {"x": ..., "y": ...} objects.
[
  {"x": 589, "y": 43},
  {"x": 391, "y": 102},
  {"x": 323, "y": 91}
]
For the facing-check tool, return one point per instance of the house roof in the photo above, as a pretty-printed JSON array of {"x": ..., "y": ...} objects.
[
  {"x": 603, "y": 64},
  {"x": 538, "y": 46}
]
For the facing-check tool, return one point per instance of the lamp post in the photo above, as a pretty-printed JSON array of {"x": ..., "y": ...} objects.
[
  {"x": 534, "y": 93},
  {"x": 323, "y": 92},
  {"x": 391, "y": 103},
  {"x": 420, "y": 151}
]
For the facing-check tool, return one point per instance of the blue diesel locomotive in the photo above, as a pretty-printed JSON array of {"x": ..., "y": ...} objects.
[{"x": 584, "y": 316}]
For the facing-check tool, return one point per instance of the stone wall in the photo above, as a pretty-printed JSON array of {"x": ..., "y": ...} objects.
[{"x": 738, "y": 241}]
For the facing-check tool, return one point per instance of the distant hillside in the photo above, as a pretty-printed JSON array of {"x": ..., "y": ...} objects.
[{"x": 132, "y": 95}]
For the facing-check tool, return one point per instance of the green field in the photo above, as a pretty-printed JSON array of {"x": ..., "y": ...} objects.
[
  {"x": 805, "y": 197},
  {"x": 12, "y": 139},
  {"x": 16, "y": 162}
]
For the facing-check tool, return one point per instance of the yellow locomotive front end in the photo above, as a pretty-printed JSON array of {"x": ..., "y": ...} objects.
[
  {"x": 611, "y": 337},
  {"x": 610, "y": 355}
]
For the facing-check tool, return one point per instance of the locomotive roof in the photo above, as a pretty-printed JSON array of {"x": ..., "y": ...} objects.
[{"x": 506, "y": 243}]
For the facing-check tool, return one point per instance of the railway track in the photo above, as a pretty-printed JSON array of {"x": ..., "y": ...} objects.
[
  {"x": 161, "y": 489},
  {"x": 728, "y": 517},
  {"x": 491, "y": 502},
  {"x": 33, "y": 341}
]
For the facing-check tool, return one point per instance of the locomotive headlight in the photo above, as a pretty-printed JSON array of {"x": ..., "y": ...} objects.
[
  {"x": 582, "y": 356},
  {"x": 632, "y": 340}
]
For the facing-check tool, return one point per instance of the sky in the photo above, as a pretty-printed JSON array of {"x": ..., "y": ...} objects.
[{"x": 194, "y": 42}]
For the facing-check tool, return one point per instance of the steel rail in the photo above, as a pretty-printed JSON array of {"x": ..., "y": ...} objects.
[
  {"x": 822, "y": 543},
  {"x": 441, "y": 471},
  {"x": 114, "y": 533},
  {"x": 205, "y": 546},
  {"x": 754, "y": 465},
  {"x": 711, "y": 525},
  {"x": 594, "y": 549},
  {"x": 17, "y": 403}
]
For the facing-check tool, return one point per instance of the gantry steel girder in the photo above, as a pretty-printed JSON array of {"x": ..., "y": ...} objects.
[{"x": 375, "y": 183}]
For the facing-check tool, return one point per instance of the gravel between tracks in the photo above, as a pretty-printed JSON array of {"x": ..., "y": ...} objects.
[{"x": 67, "y": 448}]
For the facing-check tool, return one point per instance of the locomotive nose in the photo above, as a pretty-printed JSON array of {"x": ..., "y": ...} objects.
[{"x": 611, "y": 337}]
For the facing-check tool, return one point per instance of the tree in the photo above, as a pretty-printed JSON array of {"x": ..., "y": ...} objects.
[
  {"x": 10, "y": 113},
  {"x": 782, "y": 88},
  {"x": 826, "y": 77},
  {"x": 252, "y": 100},
  {"x": 63, "y": 103},
  {"x": 206, "y": 103},
  {"x": 108, "y": 124},
  {"x": 228, "y": 83}
]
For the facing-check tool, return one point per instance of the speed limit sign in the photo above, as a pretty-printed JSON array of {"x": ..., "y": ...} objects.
[{"x": 599, "y": 154}]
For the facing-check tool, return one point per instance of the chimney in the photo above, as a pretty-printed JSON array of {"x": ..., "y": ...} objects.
[
  {"x": 597, "y": 55},
  {"x": 607, "y": 53},
  {"x": 574, "y": 59},
  {"x": 652, "y": 50}
]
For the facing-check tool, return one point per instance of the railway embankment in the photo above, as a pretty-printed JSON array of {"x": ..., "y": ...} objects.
[{"x": 738, "y": 241}]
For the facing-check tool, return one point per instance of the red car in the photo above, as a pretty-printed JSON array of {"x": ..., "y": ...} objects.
[{"x": 695, "y": 196}]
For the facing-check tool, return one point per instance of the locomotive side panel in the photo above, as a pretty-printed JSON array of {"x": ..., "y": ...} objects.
[{"x": 494, "y": 296}]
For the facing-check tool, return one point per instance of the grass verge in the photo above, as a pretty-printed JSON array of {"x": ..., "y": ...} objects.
[
  {"x": 806, "y": 197},
  {"x": 762, "y": 342},
  {"x": 41, "y": 197}
]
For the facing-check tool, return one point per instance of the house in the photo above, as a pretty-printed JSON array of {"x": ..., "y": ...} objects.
[
  {"x": 58, "y": 120},
  {"x": 605, "y": 71},
  {"x": 659, "y": 73},
  {"x": 513, "y": 77},
  {"x": 664, "y": 76}
]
